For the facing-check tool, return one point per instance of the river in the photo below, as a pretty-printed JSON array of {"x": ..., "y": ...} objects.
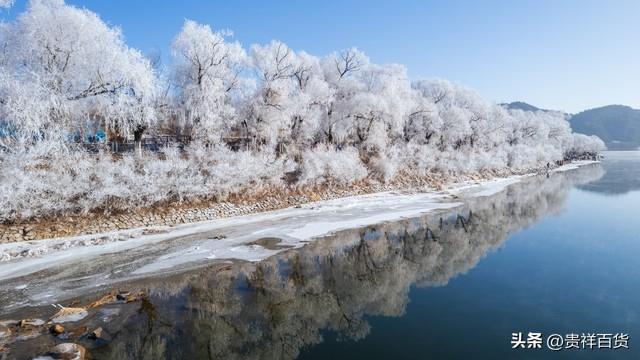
[{"x": 554, "y": 254}]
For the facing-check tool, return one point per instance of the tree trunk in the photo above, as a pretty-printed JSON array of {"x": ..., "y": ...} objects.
[{"x": 137, "y": 137}]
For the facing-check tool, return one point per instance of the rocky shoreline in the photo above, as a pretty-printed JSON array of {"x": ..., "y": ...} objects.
[{"x": 173, "y": 214}]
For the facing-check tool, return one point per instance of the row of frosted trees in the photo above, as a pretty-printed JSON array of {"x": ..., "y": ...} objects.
[{"x": 65, "y": 75}]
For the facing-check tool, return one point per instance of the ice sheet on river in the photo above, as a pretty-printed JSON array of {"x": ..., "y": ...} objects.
[{"x": 222, "y": 238}]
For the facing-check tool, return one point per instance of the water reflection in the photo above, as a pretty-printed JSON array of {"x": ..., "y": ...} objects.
[
  {"x": 622, "y": 174},
  {"x": 276, "y": 308}
]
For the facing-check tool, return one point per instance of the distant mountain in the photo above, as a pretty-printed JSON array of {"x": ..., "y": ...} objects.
[
  {"x": 617, "y": 125},
  {"x": 519, "y": 105}
]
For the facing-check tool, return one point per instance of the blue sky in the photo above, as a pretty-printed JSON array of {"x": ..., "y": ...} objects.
[{"x": 564, "y": 54}]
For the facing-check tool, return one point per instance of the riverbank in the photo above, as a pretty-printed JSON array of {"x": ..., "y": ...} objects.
[
  {"x": 50, "y": 271},
  {"x": 158, "y": 218}
]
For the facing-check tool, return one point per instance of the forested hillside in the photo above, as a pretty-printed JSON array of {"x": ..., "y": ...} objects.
[{"x": 617, "y": 125}]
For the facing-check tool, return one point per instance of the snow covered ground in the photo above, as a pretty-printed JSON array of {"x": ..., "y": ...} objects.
[{"x": 44, "y": 271}]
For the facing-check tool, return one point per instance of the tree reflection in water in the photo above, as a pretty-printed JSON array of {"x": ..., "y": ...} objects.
[
  {"x": 622, "y": 174},
  {"x": 275, "y": 308}
]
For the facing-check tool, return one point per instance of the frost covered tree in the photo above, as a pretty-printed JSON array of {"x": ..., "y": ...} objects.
[
  {"x": 207, "y": 69},
  {"x": 338, "y": 69},
  {"x": 63, "y": 66},
  {"x": 310, "y": 98},
  {"x": 270, "y": 111},
  {"x": 290, "y": 100}
]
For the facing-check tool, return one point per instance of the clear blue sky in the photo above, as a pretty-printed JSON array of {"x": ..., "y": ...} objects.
[{"x": 559, "y": 54}]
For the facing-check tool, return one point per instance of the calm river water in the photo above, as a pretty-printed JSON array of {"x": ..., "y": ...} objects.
[{"x": 549, "y": 255}]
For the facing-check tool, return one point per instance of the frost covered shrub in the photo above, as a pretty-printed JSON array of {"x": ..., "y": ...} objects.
[
  {"x": 586, "y": 144},
  {"x": 527, "y": 157},
  {"x": 46, "y": 179},
  {"x": 489, "y": 160},
  {"x": 385, "y": 165},
  {"x": 323, "y": 164},
  {"x": 415, "y": 159},
  {"x": 34, "y": 180},
  {"x": 228, "y": 171}
]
